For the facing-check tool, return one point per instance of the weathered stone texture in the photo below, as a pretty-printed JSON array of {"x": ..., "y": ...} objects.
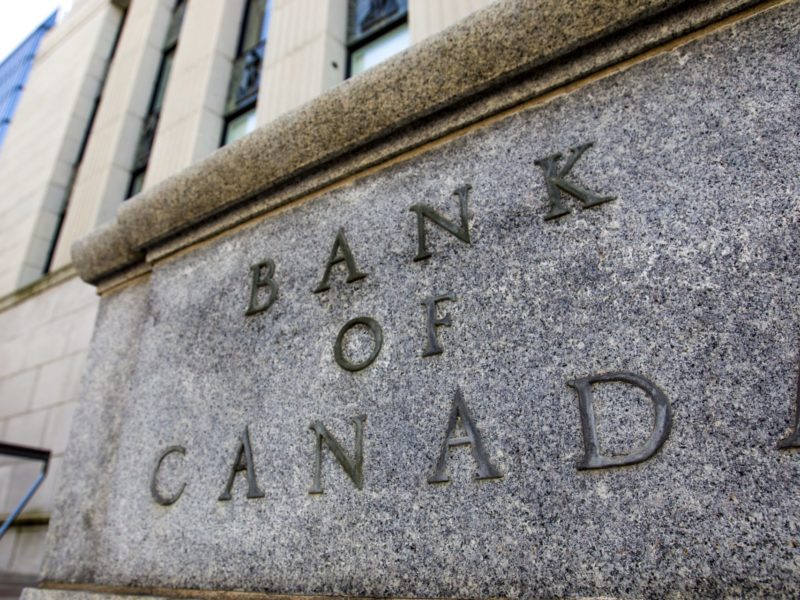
[{"x": 688, "y": 278}]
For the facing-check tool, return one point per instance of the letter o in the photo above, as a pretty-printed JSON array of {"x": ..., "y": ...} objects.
[{"x": 377, "y": 334}]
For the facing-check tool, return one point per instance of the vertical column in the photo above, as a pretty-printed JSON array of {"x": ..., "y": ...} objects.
[
  {"x": 44, "y": 140},
  {"x": 104, "y": 174},
  {"x": 191, "y": 119},
  {"x": 426, "y": 17},
  {"x": 305, "y": 54}
]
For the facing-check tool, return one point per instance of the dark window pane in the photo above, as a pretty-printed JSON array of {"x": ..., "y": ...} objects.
[
  {"x": 255, "y": 26},
  {"x": 390, "y": 43},
  {"x": 366, "y": 17},
  {"x": 137, "y": 181},
  {"x": 240, "y": 126},
  {"x": 161, "y": 82}
]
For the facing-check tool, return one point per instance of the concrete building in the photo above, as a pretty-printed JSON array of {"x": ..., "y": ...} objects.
[{"x": 122, "y": 95}]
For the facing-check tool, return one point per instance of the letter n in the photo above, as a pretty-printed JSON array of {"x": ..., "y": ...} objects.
[
  {"x": 354, "y": 467},
  {"x": 592, "y": 459},
  {"x": 424, "y": 211}
]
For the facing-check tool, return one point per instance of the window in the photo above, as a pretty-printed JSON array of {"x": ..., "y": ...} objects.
[
  {"x": 376, "y": 30},
  {"x": 148, "y": 133},
  {"x": 240, "y": 109}
]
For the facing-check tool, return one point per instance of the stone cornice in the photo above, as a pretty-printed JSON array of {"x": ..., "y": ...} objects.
[{"x": 495, "y": 47}]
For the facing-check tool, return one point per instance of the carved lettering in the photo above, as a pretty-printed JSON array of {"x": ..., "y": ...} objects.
[
  {"x": 793, "y": 439},
  {"x": 261, "y": 274},
  {"x": 243, "y": 462},
  {"x": 592, "y": 459},
  {"x": 354, "y": 467},
  {"x": 460, "y": 231},
  {"x": 434, "y": 347},
  {"x": 471, "y": 438},
  {"x": 158, "y": 496},
  {"x": 377, "y": 337},
  {"x": 340, "y": 253},
  {"x": 556, "y": 184}
]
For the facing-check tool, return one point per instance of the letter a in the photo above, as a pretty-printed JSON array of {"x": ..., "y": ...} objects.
[
  {"x": 243, "y": 462},
  {"x": 592, "y": 459},
  {"x": 340, "y": 253},
  {"x": 472, "y": 438}
]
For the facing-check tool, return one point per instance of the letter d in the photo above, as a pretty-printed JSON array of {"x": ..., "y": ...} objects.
[{"x": 592, "y": 459}]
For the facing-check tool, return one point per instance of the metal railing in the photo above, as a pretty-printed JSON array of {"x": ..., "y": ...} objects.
[{"x": 26, "y": 453}]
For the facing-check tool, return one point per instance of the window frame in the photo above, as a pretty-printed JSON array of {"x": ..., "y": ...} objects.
[
  {"x": 393, "y": 22},
  {"x": 251, "y": 101},
  {"x": 168, "y": 53}
]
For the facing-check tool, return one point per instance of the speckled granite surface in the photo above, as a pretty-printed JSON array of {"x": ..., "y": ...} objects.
[
  {"x": 453, "y": 75},
  {"x": 689, "y": 278}
]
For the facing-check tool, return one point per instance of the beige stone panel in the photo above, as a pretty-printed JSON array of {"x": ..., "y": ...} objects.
[
  {"x": 48, "y": 342},
  {"x": 188, "y": 140},
  {"x": 59, "y": 423},
  {"x": 21, "y": 475},
  {"x": 45, "y": 117},
  {"x": 17, "y": 223},
  {"x": 28, "y": 274},
  {"x": 70, "y": 296},
  {"x": 333, "y": 70},
  {"x": 208, "y": 129},
  {"x": 81, "y": 328},
  {"x": 29, "y": 550},
  {"x": 104, "y": 173},
  {"x": 90, "y": 207},
  {"x": 8, "y": 281},
  {"x": 57, "y": 382},
  {"x": 197, "y": 85},
  {"x": 16, "y": 392},
  {"x": 210, "y": 28},
  {"x": 44, "y": 499},
  {"x": 17, "y": 321},
  {"x": 27, "y": 429},
  {"x": 7, "y": 545},
  {"x": 305, "y": 41},
  {"x": 426, "y": 17},
  {"x": 13, "y": 209},
  {"x": 15, "y": 256},
  {"x": 44, "y": 140},
  {"x": 129, "y": 87},
  {"x": 281, "y": 90}
]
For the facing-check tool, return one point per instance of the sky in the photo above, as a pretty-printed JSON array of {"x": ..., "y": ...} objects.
[{"x": 18, "y": 18}]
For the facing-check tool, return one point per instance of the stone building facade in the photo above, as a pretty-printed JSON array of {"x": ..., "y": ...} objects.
[{"x": 123, "y": 94}]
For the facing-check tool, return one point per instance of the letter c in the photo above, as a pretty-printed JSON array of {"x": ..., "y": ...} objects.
[{"x": 166, "y": 500}]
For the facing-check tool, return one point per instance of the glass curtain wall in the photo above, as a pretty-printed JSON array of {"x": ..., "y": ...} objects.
[
  {"x": 240, "y": 109},
  {"x": 376, "y": 30},
  {"x": 148, "y": 134},
  {"x": 14, "y": 71}
]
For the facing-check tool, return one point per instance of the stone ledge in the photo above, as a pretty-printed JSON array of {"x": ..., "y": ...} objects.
[
  {"x": 56, "y": 591},
  {"x": 503, "y": 41},
  {"x": 42, "y": 284}
]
